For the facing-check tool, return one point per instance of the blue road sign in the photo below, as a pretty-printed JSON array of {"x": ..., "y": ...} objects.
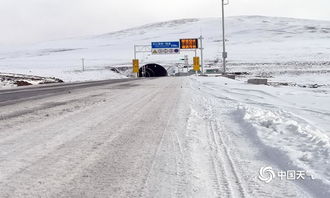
[{"x": 165, "y": 45}]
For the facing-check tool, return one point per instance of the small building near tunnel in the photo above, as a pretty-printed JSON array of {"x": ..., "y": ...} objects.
[{"x": 153, "y": 70}]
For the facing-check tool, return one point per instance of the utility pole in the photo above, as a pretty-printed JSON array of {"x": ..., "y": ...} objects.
[
  {"x": 224, "y": 53},
  {"x": 83, "y": 64}
]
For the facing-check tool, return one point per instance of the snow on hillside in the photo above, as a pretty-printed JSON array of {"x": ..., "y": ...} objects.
[{"x": 253, "y": 41}]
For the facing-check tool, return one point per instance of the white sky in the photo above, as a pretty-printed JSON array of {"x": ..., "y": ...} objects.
[{"x": 28, "y": 21}]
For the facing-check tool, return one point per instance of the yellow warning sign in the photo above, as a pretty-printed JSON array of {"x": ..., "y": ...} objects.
[
  {"x": 197, "y": 66},
  {"x": 136, "y": 66}
]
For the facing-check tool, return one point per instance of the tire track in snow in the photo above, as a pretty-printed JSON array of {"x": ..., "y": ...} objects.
[
  {"x": 180, "y": 166},
  {"x": 226, "y": 179},
  {"x": 222, "y": 171},
  {"x": 176, "y": 144},
  {"x": 226, "y": 161},
  {"x": 181, "y": 170},
  {"x": 220, "y": 181}
]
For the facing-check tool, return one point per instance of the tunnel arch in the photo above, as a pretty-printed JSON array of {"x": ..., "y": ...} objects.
[{"x": 153, "y": 70}]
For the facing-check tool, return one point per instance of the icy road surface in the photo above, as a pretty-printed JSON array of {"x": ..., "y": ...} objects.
[{"x": 165, "y": 137}]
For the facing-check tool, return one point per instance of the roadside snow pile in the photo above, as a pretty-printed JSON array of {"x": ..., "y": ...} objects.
[
  {"x": 13, "y": 80},
  {"x": 286, "y": 128},
  {"x": 6, "y": 84},
  {"x": 8, "y": 80},
  {"x": 89, "y": 75},
  {"x": 307, "y": 146},
  {"x": 289, "y": 125}
]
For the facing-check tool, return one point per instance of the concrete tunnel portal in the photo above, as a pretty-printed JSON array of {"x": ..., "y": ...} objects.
[{"x": 153, "y": 70}]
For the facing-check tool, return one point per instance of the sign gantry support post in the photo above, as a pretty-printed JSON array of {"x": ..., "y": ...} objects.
[
  {"x": 141, "y": 49},
  {"x": 196, "y": 65},
  {"x": 135, "y": 52},
  {"x": 202, "y": 53},
  {"x": 137, "y": 73},
  {"x": 194, "y": 44}
]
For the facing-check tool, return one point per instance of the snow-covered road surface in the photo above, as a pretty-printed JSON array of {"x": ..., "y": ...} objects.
[
  {"x": 12, "y": 96},
  {"x": 165, "y": 137}
]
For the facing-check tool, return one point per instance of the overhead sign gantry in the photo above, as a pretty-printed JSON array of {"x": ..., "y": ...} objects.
[{"x": 172, "y": 48}]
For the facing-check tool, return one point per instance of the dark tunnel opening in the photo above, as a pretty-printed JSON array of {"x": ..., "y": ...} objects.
[{"x": 152, "y": 70}]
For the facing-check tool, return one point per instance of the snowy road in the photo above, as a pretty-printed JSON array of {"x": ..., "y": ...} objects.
[
  {"x": 13, "y": 96},
  {"x": 166, "y": 137}
]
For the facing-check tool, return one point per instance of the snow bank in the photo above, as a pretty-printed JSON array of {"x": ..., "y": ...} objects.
[
  {"x": 289, "y": 126},
  {"x": 6, "y": 84},
  {"x": 307, "y": 146}
]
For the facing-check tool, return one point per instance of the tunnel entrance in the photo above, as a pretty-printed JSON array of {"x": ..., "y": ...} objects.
[{"x": 152, "y": 70}]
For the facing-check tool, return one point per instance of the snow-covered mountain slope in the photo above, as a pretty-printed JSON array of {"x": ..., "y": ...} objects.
[{"x": 251, "y": 39}]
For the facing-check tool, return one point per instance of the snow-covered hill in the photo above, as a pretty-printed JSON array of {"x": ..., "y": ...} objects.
[{"x": 251, "y": 39}]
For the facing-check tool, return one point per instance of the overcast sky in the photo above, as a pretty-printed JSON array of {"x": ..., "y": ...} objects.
[{"x": 28, "y": 21}]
